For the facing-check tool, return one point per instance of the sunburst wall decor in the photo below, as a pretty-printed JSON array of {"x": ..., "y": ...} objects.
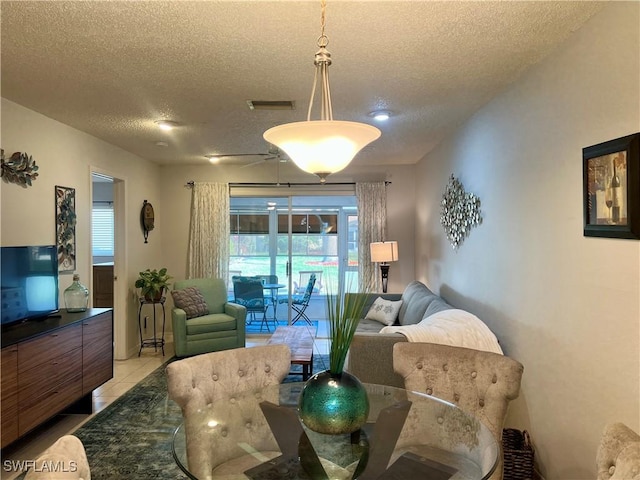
[{"x": 460, "y": 212}]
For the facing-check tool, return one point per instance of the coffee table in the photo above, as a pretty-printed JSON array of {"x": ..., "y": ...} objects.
[{"x": 300, "y": 342}]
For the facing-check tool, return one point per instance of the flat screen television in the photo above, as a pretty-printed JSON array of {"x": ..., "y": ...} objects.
[{"x": 29, "y": 282}]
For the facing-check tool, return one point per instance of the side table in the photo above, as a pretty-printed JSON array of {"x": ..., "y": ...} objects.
[{"x": 154, "y": 342}]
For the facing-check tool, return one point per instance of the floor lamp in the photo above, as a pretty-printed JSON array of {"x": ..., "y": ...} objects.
[{"x": 383, "y": 253}]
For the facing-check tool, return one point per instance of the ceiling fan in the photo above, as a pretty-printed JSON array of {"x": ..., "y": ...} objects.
[{"x": 274, "y": 153}]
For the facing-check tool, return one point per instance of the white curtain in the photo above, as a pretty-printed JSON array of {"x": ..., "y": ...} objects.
[
  {"x": 372, "y": 227},
  {"x": 208, "y": 255}
]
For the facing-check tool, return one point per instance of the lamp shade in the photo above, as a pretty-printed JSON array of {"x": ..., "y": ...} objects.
[
  {"x": 384, "y": 251},
  {"x": 322, "y": 147}
]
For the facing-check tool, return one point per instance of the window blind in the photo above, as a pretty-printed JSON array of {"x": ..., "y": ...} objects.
[{"x": 102, "y": 229}]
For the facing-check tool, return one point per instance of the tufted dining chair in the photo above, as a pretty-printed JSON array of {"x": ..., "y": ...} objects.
[
  {"x": 69, "y": 455},
  {"x": 618, "y": 456},
  {"x": 480, "y": 383},
  {"x": 195, "y": 382}
]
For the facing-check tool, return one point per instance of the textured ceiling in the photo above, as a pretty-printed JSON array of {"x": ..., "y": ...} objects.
[{"x": 111, "y": 68}]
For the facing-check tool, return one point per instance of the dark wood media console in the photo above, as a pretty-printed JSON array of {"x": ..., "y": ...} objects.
[{"x": 52, "y": 365}]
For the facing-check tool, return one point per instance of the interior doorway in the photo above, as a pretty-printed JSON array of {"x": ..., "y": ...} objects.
[{"x": 108, "y": 248}]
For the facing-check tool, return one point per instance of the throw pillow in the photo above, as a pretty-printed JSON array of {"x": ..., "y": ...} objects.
[
  {"x": 191, "y": 301},
  {"x": 384, "y": 311}
]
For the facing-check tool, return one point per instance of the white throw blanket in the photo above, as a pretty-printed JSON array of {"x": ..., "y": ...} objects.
[{"x": 450, "y": 327}]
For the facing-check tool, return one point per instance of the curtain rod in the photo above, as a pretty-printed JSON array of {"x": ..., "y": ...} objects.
[{"x": 284, "y": 184}]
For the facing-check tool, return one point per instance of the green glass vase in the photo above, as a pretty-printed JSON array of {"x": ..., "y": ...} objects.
[
  {"x": 76, "y": 296},
  {"x": 333, "y": 403}
]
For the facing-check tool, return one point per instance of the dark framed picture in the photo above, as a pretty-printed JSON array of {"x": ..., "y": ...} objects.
[
  {"x": 611, "y": 188},
  {"x": 66, "y": 228}
]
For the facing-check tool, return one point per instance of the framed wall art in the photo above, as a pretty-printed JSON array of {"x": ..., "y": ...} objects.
[
  {"x": 611, "y": 188},
  {"x": 66, "y": 228}
]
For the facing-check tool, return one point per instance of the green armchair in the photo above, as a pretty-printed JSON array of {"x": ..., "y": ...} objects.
[{"x": 222, "y": 328}]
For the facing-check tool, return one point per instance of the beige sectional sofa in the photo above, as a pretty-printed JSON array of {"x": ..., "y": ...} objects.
[{"x": 371, "y": 353}]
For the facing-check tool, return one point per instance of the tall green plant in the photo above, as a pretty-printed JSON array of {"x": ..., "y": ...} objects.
[{"x": 344, "y": 312}]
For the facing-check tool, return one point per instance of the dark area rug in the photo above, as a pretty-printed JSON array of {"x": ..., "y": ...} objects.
[{"x": 131, "y": 438}]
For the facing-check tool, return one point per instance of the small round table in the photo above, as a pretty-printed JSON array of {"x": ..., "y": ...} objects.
[
  {"x": 154, "y": 342},
  {"x": 273, "y": 289},
  {"x": 257, "y": 434}
]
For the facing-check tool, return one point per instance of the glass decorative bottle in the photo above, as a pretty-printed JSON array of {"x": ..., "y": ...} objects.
[{"x": 76, "y": 296}]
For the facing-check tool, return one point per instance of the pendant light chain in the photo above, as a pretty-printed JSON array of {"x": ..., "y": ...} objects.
[
  {"x": 327, "y": 146},
  {"x": 323, "y": 10},
  {"x": 322, "y": 62}
]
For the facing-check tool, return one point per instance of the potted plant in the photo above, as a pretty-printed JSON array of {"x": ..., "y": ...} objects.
[
  {"x": 334, "y": 401},
  {"x": 152, "y": 283}
]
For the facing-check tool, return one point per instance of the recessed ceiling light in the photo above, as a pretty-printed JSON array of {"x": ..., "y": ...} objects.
[
  {"x": 213, "y": 158},
  {"x": 162, "y": 144},
  {"x": 380, "y": 115},
  {"x": 165, "y": 124}
]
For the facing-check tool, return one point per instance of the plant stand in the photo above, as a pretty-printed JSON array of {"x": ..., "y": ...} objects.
[{"x": 154, "y": 342}]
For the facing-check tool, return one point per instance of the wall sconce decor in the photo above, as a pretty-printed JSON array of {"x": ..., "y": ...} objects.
[
  {"x": 20, "y": 169},
  {"x": 147, "y": 219},
  {"x": 460, "y": 212},
  {"x": 382, "y": 253}
]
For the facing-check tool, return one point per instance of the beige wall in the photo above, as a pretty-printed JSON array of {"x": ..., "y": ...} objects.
[
  {"x": 65, "y": 157},
  {"x": 566, "y": 306},
  {"x": 400, "y": 201}
]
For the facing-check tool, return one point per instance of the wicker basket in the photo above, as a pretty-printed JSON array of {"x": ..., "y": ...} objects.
[{"x": 518, "y": 455}]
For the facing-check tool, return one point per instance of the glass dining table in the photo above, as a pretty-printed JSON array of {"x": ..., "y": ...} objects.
[{"x": 258, "y": 435}]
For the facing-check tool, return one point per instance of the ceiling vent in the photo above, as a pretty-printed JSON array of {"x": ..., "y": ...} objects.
[{"x": 271, "y": 104}]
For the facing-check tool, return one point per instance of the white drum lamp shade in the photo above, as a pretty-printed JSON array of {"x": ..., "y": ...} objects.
[{"x": 382, "y": 253}]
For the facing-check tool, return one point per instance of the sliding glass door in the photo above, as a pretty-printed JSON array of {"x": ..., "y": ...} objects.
[{"x": 291, "y": 237}]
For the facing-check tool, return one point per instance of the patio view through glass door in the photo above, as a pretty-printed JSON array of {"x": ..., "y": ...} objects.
[{"x": 291, "y": 238}]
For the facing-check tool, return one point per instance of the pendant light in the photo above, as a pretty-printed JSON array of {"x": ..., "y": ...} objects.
[{"x": 324, "y": 146}]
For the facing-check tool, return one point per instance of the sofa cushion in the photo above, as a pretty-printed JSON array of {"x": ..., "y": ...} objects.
[
  {"x": 435, "y": 306},
  {"x": 191, "y": 301},
  {"x": 214, "y": 322},
  {"x": 415, "y": 300},
  {"x": 369, "y": 326},
  {"x": 384, "y": 311}
]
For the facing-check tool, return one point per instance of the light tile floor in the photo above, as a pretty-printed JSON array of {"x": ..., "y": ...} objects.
[{"x": 126, "y": 374}]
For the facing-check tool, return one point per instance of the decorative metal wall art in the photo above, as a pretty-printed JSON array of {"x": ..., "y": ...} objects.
[
  {"x": 66, "y": 228},
  {"x": 20, "y": 169},
  {"x": 460, "y": 212},
  {"x": 147, "y": 219}
]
